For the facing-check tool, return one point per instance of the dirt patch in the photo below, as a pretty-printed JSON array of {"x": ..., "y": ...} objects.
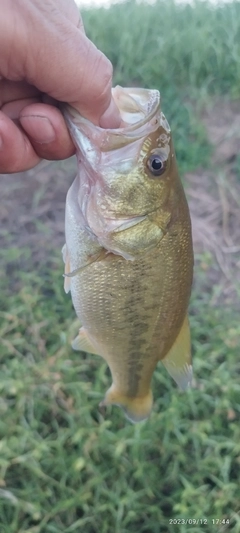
[
  {"x": 214, "y": 200},
  {"x": 32, "y": 208},
  {"x": 32, "y": 205}
]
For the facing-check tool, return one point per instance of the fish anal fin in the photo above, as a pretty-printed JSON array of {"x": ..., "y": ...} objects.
[
  {"x": 178, "y": 361},
  {"x": 83, "y": 344},
  {"x": 135, "y": 409}
]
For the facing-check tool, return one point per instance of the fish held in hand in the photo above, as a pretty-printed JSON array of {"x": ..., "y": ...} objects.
[{"x": 128, "y": 253}]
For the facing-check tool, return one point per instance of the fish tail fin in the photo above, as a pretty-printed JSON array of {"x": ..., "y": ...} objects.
[
  {"x": 135, "y": 409},
  {"x": 178, "y": 360}
]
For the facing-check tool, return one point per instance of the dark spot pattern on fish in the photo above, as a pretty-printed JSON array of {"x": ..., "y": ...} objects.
[
  {"x": 134, "y": 377},
  {"x": 140, "y": 326}
]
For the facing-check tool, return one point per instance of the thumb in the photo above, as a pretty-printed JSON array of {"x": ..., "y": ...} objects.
[
  {"x": 51, "y": 51},
  {"x": 71, "y": 69}
]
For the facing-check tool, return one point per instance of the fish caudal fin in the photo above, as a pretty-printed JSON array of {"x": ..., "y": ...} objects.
[
  {"x": 178, "y": 361},
  {"x": 135, "y": 409}
]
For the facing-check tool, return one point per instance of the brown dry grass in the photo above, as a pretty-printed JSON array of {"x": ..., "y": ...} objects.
[{"x": 214, "y": 200}]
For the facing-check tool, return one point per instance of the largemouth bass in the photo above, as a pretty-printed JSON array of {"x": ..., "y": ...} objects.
[{"x": 128, "y": 253}]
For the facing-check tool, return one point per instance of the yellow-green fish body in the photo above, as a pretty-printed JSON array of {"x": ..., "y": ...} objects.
[{"x": 128, "y": 254}]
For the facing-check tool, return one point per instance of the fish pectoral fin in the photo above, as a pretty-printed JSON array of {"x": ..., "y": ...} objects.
[
  {"x": 178, "y": 361},
  {"x": 67, "y": 280},
  {"x": 90, "y": 259},
  {"x": 135, "y": 409},
  {"x": 83, "y": 344}
]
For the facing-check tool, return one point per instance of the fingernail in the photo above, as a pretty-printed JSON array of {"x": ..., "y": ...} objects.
[
  {"x": 111, "y": 118},
  {"x": 38, "y": 128}
]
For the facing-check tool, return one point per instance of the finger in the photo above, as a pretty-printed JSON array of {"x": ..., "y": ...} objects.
[
  {"x": 108, "y": 119},
  {"x": 84, "y": 71},
  {"x": 69, "y": 9},
  {"x": 47, "y": 131},
  {"x": 13, "y": 109},
  {"x": 52, "y": 53},
  {"x": 16, "y": 152},
  {"x": 16, "y": 90}
]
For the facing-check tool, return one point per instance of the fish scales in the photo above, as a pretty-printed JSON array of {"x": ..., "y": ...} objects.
[
  {"x": 122, "y": 295},
  {"x": 132, "y": 309}
]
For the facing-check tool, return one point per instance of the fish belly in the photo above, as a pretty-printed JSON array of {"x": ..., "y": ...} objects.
[{"x": 133, "y": 311}]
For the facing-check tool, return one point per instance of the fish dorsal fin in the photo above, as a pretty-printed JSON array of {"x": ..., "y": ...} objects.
[
  {"x": 178, "y": 361},
  {"x": 83, "y": 344}
]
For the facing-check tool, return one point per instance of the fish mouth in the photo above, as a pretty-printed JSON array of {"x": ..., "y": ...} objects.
[
  {"x": 136, "y": 106},
  {"x": 138, "y": 109}
]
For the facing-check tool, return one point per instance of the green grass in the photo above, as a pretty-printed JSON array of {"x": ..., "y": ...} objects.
[
  {"x": 187, "y": 52},
  {"x": 196, "y": 48},
  {"x": 64, "y": 467}
]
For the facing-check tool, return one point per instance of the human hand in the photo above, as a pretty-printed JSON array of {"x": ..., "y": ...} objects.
[{"x": 46, "y": 58}]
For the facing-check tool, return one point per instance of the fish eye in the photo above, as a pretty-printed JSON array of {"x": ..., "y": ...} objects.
[{"x": 156, "y": 164}]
